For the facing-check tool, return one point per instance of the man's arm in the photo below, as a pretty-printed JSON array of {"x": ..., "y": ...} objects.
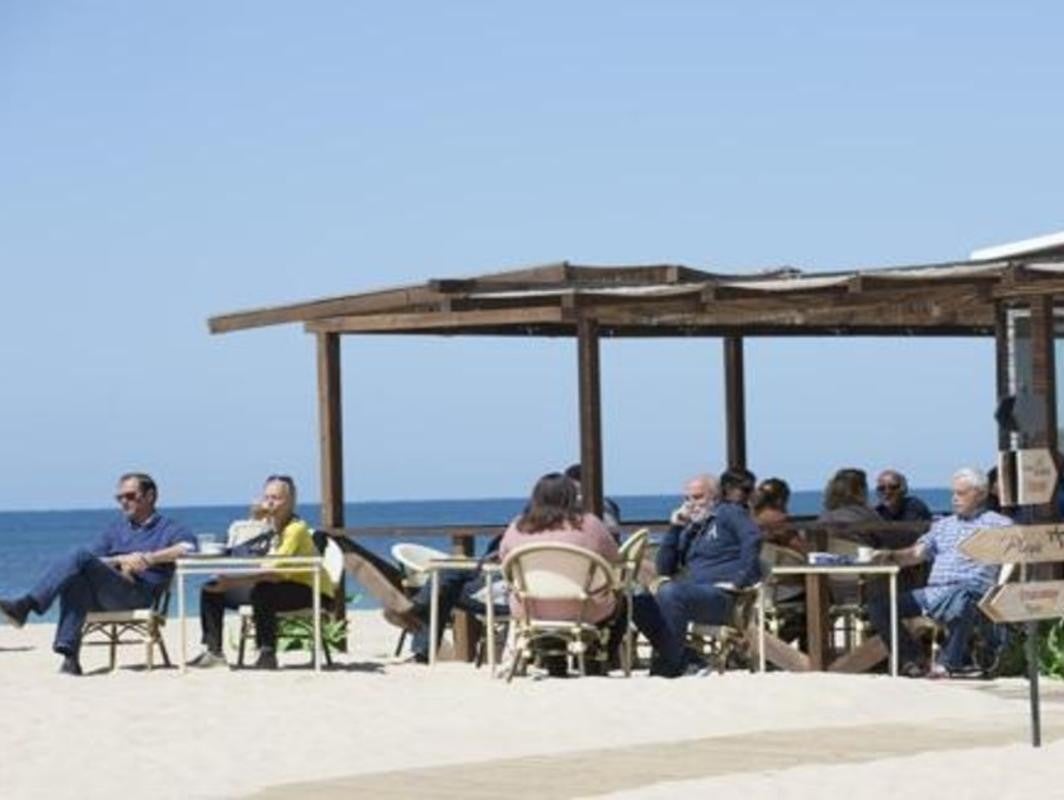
[
  {"x": 135, "y": 563},
  {"x": 668, "y": 558},
  {"x": 907, "y": 557}
]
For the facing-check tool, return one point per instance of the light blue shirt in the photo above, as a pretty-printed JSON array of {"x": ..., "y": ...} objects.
[{"x": 950, "y": 566}]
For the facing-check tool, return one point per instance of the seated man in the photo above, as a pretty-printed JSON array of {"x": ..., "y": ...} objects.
[
  {"x": 895, "y": 502},
  {"x": 956, "y": 582},
  {"x": 709, "y": 551},
  {"x": 126, "y": 568}
]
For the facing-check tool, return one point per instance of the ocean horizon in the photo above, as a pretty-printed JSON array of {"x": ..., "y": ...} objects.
[{"x": 30, "y": 540}]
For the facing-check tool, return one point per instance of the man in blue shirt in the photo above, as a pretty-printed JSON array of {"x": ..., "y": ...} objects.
[
  {"x": 956, "y": 582},
  {"x": 127, "y": 567},
  {"x": 708, "y": 552}
]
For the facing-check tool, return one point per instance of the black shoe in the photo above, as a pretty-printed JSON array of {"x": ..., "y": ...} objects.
[
  {"x": 267, "y": 660},
  {"x": 70, "y": 666},
  {"x": 15, "y": 611}
]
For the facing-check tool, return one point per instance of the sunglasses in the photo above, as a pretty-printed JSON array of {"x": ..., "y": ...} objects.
[
  {"x": 282, "y": 478},
  {"x": 126, "y": 497},
  {"x": 883, "y": 488}
]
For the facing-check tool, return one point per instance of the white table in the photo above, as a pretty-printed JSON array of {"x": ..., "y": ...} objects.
[
  {"x": 890, "y": 570},
  {"x": 256, "y": 565},
  {"x": 437, "y": 565}
]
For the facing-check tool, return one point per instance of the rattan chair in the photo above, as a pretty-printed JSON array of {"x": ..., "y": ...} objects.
[
  {"x": 552, "y": 572},
  {"x": 145, "y": 624}
]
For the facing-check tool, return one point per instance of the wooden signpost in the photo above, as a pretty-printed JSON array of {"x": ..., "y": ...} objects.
[
  {"x": 1027, "y": 601},
  {"x": 1016, "y": 544},
  {"x": 1021, "y": 602}
]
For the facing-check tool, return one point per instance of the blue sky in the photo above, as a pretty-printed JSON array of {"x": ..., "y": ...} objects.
[{"x": 162, "y": 162}]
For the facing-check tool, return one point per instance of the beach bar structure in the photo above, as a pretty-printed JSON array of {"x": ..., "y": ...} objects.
[{"x": 1007, "y": 292}]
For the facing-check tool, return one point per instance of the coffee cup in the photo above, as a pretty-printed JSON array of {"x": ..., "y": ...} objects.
[
  {"x": 205, "y": 542},
  {"x": 864, "y": 554}
]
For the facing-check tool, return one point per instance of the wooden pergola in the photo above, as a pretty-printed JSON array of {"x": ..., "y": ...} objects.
[{"x": 965, "y": 298}]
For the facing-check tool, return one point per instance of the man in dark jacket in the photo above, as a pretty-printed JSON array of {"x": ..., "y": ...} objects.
[{"x": 708, "y": 556}]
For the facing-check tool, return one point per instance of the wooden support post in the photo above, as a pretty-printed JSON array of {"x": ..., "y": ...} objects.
[
  {"x": 330, "y": 431},
  {"x": 1001, "y": 360},
  {"x": 590, "y": 414},
  {"x": 734, "y": 401},
  {"x": 1043, "y": 370},
  {"x": 464, "y": 627}
]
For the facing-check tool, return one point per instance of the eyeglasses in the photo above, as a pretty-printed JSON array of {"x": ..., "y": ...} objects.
[
  {"x": 126, "y": 497},
  {"x": 883, "y": 488},
  {"x": 694, "y": 498},
  {"x": 282, "y": 478}
]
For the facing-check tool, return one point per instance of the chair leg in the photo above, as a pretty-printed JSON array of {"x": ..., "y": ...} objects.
[
  {"x": 149, "y": 645},
  {"x": 162, "y": 648},
  {"x": 243, "y": 641},
  {"x": 399, "y": 646},
  {"x": 113, "y": 646}
]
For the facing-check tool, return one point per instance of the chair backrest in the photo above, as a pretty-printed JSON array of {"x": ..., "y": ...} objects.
[
  {"x": 414, "y": 559},
  {"x": 244, "y": 530},
  {"x": 635, "y": 546},
  {"x": 557, "y": 571},
  {"x": 333, "y": 561}
]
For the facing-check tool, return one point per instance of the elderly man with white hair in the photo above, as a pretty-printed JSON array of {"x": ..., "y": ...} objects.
[{"x": 956, "y": 582}]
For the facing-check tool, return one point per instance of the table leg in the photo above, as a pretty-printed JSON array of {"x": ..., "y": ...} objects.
[
  {"x": 181, "y": 616},
  {"x": 816, "y": 619},
  {"x": 894, "y": 624},
  {"x": 489, "y": 618},
  {"x": 761, "y": 628},
  {"x": 434, "y": 614},
  {"x": 317, "y": 620}
]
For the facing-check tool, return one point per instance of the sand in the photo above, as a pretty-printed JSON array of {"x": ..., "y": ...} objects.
[{"x": 378, "y": 727}]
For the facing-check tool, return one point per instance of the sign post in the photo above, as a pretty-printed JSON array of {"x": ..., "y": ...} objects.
[{"x": 1026, "y": 601}]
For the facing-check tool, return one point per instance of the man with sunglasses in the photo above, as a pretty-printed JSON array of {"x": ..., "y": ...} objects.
[
  {"x": 126, "y": 568},
  {"x": 895, "y": 502}
]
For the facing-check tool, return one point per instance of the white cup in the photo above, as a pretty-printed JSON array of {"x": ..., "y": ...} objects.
[
  {"x": 864, "y": 554},
  {"x": 205, "y": 542}
]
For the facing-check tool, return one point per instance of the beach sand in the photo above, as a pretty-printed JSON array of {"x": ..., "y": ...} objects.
[{"x": 375, "y": 727}]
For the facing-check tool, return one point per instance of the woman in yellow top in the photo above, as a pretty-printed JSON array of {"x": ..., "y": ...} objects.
[{"x": 269, "y": 593}]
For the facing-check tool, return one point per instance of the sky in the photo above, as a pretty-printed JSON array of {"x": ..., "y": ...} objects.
[{"x": 163, "y": 162}]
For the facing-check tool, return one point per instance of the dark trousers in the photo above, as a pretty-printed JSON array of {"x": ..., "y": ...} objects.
[
  {"x": 266, "y": 598},
  {"x": 649, "y": 620},
  {"x": 84, "y": 583},
  {"x": 457, "y": 589}
]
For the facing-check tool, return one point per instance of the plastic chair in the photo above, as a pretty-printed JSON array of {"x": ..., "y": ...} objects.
[
  {"x": 413, "y": 560},
  {"x": 556, "y": 572},
  {"x": 333, "y": 564}
]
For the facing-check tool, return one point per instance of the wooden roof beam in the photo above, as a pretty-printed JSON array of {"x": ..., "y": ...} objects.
[
  {"x": 440, "y": 320},
  {"x": 373, "y": 302}
]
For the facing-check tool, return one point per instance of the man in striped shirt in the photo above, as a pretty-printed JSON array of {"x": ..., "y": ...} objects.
[{"x": 955, "y": 585}]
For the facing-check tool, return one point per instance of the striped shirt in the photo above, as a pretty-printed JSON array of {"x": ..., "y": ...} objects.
[{"x": 951, "y": 567}]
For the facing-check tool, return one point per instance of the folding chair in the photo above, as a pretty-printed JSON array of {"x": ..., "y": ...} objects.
[{"x": 145, "y": 623}]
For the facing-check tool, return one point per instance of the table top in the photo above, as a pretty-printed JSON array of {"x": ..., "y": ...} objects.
[
  {"x": 462, "y": 562},
  {"x": 837, "y": 569},
  {"x": 205, "y": 559}
]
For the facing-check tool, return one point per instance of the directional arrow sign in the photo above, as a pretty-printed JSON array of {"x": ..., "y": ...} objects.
[
  {"x": 1016, "y": 544},
  {"x": 1019, "y": 602}
]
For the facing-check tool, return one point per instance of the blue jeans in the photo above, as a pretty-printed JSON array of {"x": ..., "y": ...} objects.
[
  {"x": 954, "y": 606},
  {"x": 84, "y": 583},
  {"x": 683, "y": 601}
]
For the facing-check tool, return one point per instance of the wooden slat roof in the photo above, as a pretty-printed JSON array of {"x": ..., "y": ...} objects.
[{"x": 951, "y": 299}]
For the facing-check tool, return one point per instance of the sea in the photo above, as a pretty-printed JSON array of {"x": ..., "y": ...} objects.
[{"x": 30, "y": 540}]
